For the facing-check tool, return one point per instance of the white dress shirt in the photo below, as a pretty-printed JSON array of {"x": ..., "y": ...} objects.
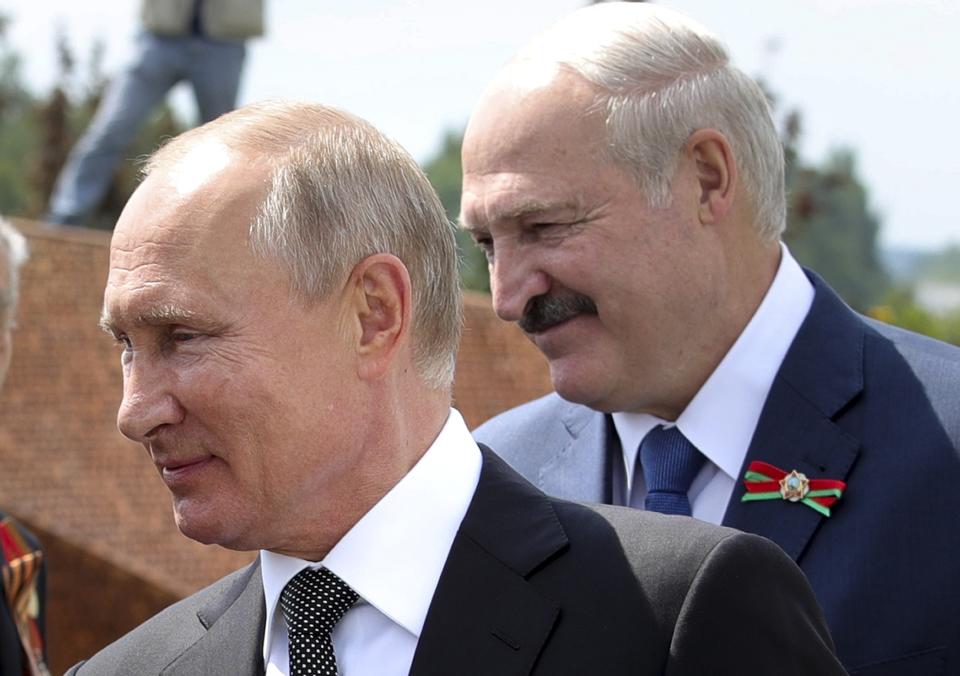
[
  {"x": 392, "y": 558},
  {"x": 722, "y": 416}
]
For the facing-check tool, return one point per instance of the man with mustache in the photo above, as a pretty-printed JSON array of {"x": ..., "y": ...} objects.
[
  {"x": 283, "y": 287},
  {"x": 627, "y": 185}
]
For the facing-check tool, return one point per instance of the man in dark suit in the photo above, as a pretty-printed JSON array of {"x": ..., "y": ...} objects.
[
  {"x": 284, "y": 288},
  {"x": 22, "y": 649},
  {"x": 627, "y": 185}
]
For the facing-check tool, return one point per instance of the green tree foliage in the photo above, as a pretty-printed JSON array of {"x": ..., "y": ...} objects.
[
  {"x": 899, "y": 307},
  {"x": 37, "y": 132},
  {"x": 18, "y": 135},
  {"x": 832, "y": 230},
  {"x": 445, "y": 175},
  {"x": 943, "y": 266}
]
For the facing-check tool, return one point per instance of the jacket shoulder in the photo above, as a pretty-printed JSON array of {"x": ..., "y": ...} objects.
[
  {"x": 529, "y": 436},
  {"x": 537, "y": 424},
  {"x": 925, "y": 353},
  {"x": 516, "y": 422},
  {"x": 156, "y": 643},
  {"x": 659, "y": 546},
  {"x": 696, "y": 576},
  {"x": 933, "y": 364}
]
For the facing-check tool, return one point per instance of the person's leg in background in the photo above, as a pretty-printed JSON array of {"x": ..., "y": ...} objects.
[
  {"x": 129, "y": 98},
  {"x": 214, "y": 71}
]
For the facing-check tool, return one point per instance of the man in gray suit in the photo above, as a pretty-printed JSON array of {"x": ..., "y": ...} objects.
[
  {"x": 627, "y": 184},
  {"x": 283, "y": 286}
]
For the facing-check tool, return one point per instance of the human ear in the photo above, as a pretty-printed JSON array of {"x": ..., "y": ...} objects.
[
  {"x": 716, "y": 173},
  {"x": 382, "y": 303}
]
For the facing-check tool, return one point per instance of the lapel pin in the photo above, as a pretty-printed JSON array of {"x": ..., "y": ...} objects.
[{"x": 764, "y": 481}]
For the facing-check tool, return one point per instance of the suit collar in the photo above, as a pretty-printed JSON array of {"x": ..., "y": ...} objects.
[
  {"x": 821, "y": 375},
  {"x": 234, "y": 624},
  {"x": 825, "y": 361},
  {"x": 484, "y": 613}
]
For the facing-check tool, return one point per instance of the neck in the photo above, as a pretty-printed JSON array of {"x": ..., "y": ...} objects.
[
  {"x": 748, "y": 272},
  {"x": 397, "y": 432}
]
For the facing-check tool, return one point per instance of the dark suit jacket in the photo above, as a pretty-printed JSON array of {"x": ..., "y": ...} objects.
[
  {"x": 11, "y": 654},
  {"x": 535, "y": 585},
  {"x": 854, "y": 400}
]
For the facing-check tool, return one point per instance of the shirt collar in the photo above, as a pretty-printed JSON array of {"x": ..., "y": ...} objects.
[
  {"x": 393, "y": 556},
  {"x": 722, "y": 416}
]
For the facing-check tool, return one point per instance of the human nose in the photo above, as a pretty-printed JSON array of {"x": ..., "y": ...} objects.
[
  {"x": 514, "y": 280},
  {"x": 148, "y": 404}
]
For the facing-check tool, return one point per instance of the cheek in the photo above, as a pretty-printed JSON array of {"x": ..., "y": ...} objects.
[{"x": 235, "y": 407}]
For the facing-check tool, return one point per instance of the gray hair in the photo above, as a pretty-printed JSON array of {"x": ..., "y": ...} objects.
[
  {"x": 341, "y": 191},
  {"x": 662, "y": 77},
  {"x": 13, "y": 248}
]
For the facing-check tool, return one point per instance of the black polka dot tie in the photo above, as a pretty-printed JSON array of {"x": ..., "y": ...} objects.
[{"x": 312, "y": 604}]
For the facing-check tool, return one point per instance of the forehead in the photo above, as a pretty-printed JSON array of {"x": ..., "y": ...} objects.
[
  {"x": 208, "y": 192},
  {"x": 185, "y": 230},
  {"x": 528, "y": 116},
  {"x": 533, "y": 140}
]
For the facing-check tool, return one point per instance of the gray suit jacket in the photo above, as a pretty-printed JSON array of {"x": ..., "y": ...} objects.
[
  {"x": 534, "y": 585},
  {"x": 855, "y": 400}
]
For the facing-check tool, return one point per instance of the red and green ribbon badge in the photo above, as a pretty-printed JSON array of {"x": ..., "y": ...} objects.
[{"x": 766, "y": 482}]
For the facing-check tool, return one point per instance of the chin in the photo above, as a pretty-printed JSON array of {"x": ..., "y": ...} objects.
[
  {"x": 210, "y": 526},
  {"x": 594, "y": 377},
  {"x": 577, "y": 385}
]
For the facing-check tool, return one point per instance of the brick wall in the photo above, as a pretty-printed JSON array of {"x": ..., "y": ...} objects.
[{"x": 115, "y": 556}]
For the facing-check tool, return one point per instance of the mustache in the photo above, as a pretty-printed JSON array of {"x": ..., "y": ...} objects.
[{"x": 544, "y": 312}]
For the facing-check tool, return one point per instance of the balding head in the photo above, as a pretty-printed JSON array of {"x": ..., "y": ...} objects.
[
  {"x": 283, "y": 287},
  {"x": 338, "y": 190}
]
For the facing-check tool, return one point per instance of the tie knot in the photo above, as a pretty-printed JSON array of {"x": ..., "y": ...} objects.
[
  {"x": 315, "y": 600},
  {"x": 670, "y": 464}
]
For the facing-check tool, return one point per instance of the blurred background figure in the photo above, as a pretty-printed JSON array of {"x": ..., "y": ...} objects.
[
  {"x": 22, "y": 648},
  {"x": 198, "y": 41}
]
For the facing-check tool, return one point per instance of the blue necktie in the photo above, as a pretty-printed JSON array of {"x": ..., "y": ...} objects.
[{"x": 670, "y": 463}]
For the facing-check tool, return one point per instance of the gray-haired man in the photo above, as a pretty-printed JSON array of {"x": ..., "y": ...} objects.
[{"x": 627, "y": 184}]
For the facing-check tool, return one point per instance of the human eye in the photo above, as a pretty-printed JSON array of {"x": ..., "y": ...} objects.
[
  {"x": 553, "y": 227},
  {"x": 183, "y": 336},
  {"x": 541, "y": 231},
  {"x": 544, "y": 228},
  {"x": 553, "y": 231},
  {"x": 123, "y": 341},
  {"x": 484, "y": 242}
]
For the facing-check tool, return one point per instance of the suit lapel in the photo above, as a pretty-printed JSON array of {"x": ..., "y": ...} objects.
[
  {"x": 233, "y": 641},
  {"x": 485, "y": 618},
  {"x": 579, "y": 470},
  {"x": 821, "y": 375}
]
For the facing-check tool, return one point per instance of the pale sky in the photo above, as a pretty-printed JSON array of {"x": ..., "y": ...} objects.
[{"x": 879, "y": 76}]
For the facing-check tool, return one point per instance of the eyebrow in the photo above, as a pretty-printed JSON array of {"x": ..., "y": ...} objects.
[
  {"x": 160, "y": 315},
  {"x": 521, "y": 211}
]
